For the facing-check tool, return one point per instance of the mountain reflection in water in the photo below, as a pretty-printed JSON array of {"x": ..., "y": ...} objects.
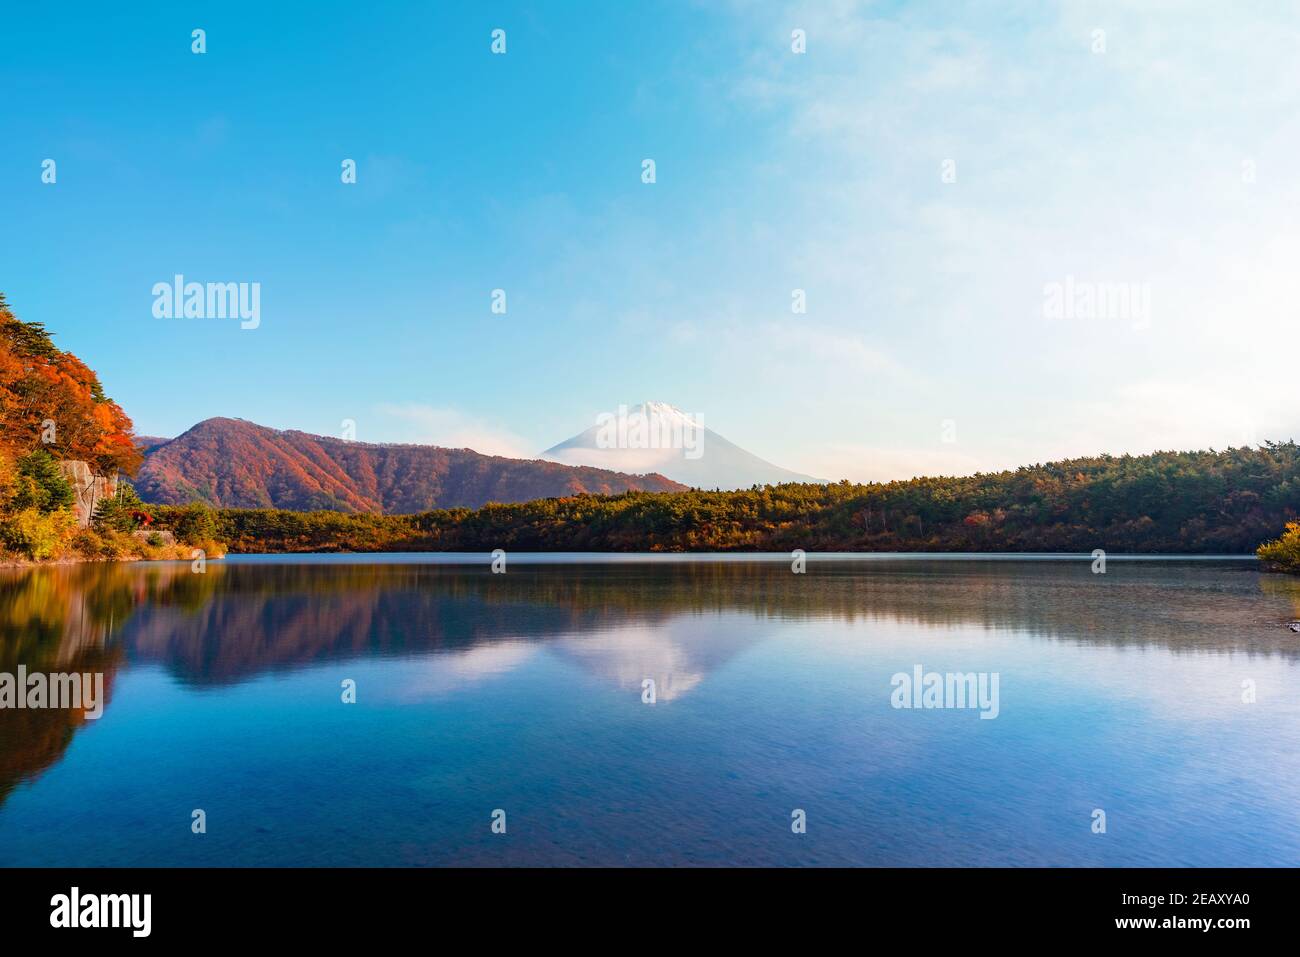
[{"x": 620, "y": 623}]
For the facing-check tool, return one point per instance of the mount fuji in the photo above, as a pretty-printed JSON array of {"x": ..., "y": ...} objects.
[{"x": 658, "y": 437}]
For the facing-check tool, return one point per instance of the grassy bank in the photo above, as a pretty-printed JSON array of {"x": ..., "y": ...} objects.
[{"x": 88, "y": 545}]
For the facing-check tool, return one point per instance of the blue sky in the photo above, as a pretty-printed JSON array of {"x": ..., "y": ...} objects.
[{"x": 1158, "y": 155}]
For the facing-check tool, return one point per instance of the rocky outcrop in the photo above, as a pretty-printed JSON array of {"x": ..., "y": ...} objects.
[{"x": 88, "y": 489}]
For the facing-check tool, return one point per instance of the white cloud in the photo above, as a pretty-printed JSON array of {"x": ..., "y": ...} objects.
[
  {"x": 840, "y": 357},
  {"x": 450, "y": 672},
  {"x": 864, "y": 463},
  {"x": 450, "y": 428}
]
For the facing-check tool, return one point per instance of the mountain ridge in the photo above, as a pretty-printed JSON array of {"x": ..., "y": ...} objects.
[{"x": 234, "y": 463}]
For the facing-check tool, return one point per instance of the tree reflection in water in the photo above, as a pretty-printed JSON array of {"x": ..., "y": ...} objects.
[{"x": 240, "y": 620}]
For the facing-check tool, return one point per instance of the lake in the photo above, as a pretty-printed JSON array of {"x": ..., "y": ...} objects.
[{"x": 653, "y": 710}]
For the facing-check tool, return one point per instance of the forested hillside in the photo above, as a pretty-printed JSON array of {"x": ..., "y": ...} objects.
[
  {"x": 238, "y": 464},
  {"x": 1181, "y": 502}
]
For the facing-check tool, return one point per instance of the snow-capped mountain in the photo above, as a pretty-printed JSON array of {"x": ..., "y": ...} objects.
[{"x": 658, "y": 437}]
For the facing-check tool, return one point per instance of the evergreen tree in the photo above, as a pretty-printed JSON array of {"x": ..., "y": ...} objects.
[
  {"x": 39, "y": 484},
  {"x": 116, "y": 511}
]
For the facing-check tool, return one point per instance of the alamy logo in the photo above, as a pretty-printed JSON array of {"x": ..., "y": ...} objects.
[
  {"x": 640, "y": 429},
  {"x": 36, "y": 691},
  {"x": 1075, "y": 299},
  {"x": 103, "y": 910},
  {"x": 930, "y": 689},
  {"x": 179, "y": 299}
]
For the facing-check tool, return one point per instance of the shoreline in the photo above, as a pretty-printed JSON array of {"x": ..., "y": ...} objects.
[
  {"x": 51, "y": 562},
  {"x": 522, "y": 556},
  {"x": 97, "y": 559}
]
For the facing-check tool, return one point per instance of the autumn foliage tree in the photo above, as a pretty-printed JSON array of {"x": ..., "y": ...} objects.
[
  {"x": 1284, "y": 553},
  {"x": 50, "y": 399}
]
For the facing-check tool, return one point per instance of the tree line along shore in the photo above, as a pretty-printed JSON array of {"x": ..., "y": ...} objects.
[{"x": 1211, "y": 502}]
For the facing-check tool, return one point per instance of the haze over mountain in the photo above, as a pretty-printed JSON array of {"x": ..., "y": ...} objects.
[
  {"x": 658, "y": 437},
  {"x": 236, "y": 464}
]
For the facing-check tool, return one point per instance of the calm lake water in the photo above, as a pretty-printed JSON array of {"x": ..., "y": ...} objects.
[{"x": 1126, "y": 692}]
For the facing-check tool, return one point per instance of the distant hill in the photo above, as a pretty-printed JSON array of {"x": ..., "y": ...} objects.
[
  {"x": 231, "y": 463},
  {"x": 147, "y": 443},
  {"x": 658, "y": 437}
]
